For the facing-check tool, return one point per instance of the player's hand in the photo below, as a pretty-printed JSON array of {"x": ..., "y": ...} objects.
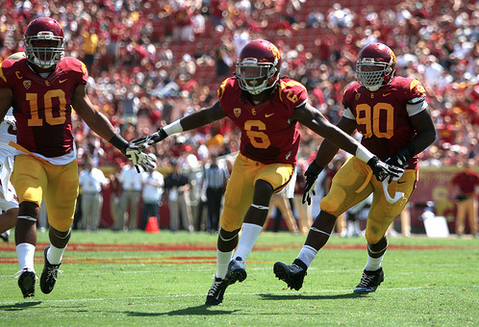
[
  {"x": 311, "y": 177},
  {"x": 400, "y": 159},
  {"x": 383, "y": 170},
  {"x": 151, "y": 139},
  {"x": 138, "y": 158}
]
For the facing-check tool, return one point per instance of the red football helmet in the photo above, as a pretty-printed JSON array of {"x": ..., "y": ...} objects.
[
  {"x": 375, "y": 66},
  {"x": 258, "y": 66},
  {"x": 44, "y": 42}
]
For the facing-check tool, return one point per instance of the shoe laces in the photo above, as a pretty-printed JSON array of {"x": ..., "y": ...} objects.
[
  {"x": 20, "y": 272},
  {"x": 53, "y": 271},
  {"x": 215, "y": 287},
  {"x": 366, "y": 280}
]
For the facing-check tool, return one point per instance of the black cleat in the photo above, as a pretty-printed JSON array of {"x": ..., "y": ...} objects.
[
  {"x": 370, "y": 281},
  {"x": 26, "y": 282},
  {"x": 216, "y": 292},
  {"x": 49, "y": 275},
  {"x": 236, "y": 271},
  {"x": 293, "y": 275}
]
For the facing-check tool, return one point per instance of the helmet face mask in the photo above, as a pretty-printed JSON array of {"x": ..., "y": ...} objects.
[
  {"x": 44, "y": 42},
  {"x": 257, "y": 67},
  {"x": 375, "y": 66},
  {"x": 253, "y": 76}
]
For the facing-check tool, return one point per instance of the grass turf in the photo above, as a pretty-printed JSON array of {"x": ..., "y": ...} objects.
[{"x": 138, "y": 279}]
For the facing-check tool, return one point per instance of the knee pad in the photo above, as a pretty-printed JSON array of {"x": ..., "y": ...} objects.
[{"x": 228, "y": 236}]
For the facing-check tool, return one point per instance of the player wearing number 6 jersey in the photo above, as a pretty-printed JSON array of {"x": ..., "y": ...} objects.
[
  {"x": 266, "y": 109},
  {"x": 392, "y": 116},
  {"x": 42, "y": 89}
]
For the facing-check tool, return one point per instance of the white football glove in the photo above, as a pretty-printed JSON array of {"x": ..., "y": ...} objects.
[{"x": 140, "y": 159}]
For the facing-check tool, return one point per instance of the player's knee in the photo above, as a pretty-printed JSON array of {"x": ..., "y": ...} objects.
[
  {"x": 226, "y": 236},
  {"x": 373, "y": 237},
  {"x": 262, "y": 193},
  {"x": 330, "y": 205},
  {"x": 29, "y": 209}
]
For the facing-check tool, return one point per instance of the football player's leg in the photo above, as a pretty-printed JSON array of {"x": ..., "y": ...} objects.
[
  {"x": 60, "y": 201},
  {"x": 29, "y": 179},
  {"x": 381, "y": 215},
  {"x": 268, "y": 179},
  {"x": 342, "y": 196},
  {"x": 238, "y": 198},
  {"x": 352, "y": 176}
]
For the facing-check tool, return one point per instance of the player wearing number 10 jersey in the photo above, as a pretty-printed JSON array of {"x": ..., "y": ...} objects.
[
  {"x": 266, "y": 109},
  {"x": 393, "y": 118},
  {"x": 42, "y": 88},
  {"x": 43, "y": 105}
]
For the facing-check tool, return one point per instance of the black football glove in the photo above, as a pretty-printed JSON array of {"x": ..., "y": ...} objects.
[
  {"x": 138, "y": 158},
  {"x": 383, "y": 170},
  {"x": 311, "y": 177},
  {"x": 400, "y": 159},
  {"x": 151, "y": 139}
]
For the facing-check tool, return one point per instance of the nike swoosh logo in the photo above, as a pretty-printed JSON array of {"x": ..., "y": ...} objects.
[
  {"x": 268, "y": 115},
  {"x": 386, "y": 94},
  {"x": 63, "y": 80},
  {"x": 401, "y": 182}
]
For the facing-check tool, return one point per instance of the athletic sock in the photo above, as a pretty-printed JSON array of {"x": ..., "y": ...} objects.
[
  {"x": 26, "y": 255},
  {"x": 248, "y": 239},
  {"x": 55, "y": 255},
  {"x": 373, "y": 263},
  {"x": 222, "y": 261},
  {"x": 307, "y": 254}
]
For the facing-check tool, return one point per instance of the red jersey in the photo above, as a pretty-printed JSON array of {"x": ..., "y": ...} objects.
[
  {"x": 267, "y": 134},
  {"x": 382, "y": 117},
  {"x": 42, "y": 106},
  {"x": 466, "y": 182}
]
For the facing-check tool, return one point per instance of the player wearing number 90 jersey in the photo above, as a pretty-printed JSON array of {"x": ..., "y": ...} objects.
[
  {"x": 382, "y": 117},
  {"x": 266, "y": 109},
  {"x": 392, "y": 116}
]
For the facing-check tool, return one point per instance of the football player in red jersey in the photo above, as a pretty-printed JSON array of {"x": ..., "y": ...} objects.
[
  {"x": 393, "y": 117},
  {"x": 266, "y": 109},
  {"x": 42, "y": 89}
]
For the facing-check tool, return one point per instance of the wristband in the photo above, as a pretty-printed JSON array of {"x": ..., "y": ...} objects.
[
  {"x": 173, "y": 128},
  {"x": 411, "y": 149},
  {"x": 119, "y": 142},
  {"x": 363, "y": 154}
]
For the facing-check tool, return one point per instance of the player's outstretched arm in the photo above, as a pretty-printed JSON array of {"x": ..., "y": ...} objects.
[
  {"x": 192, "y": 121},
  {"x": 102, "y": 126}
]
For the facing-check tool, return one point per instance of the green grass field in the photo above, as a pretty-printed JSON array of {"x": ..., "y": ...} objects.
[{"x": 139, "y": 279}]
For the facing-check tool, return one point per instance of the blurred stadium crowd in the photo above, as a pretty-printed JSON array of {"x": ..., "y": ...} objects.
[{"x": 151, "y": 62}]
